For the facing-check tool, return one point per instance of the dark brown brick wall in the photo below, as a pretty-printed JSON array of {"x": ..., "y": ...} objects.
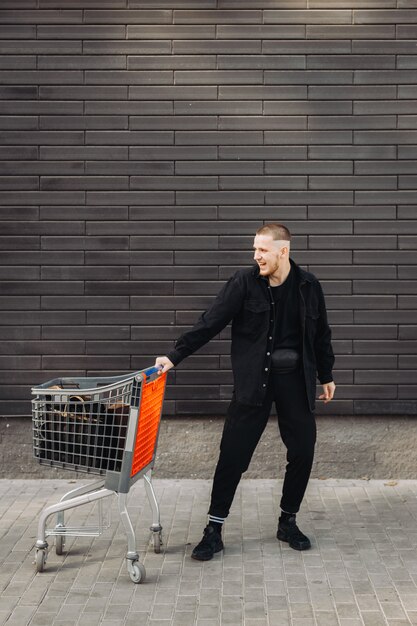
[{"x": 144, "y": 141}]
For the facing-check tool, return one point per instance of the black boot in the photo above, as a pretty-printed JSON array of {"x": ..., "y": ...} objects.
[
  {"x": 288, "y": 531},
  {"x": 209, "y": 545}
]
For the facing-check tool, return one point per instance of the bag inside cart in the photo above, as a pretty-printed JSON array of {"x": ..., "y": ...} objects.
[{"x": 79, "y": 432}]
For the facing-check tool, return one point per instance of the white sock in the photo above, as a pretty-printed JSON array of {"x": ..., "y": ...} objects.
[{"x": 216, "y": 521}]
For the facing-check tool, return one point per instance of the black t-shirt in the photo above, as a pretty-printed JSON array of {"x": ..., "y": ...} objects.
[{"x": 287, "y": 311}]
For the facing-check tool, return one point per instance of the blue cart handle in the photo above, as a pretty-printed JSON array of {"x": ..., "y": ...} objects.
[{"x": 152, "y": 370}]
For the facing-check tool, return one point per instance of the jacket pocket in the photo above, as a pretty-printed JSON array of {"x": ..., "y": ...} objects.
[
  {"x": 312, "y": 314},
  {"x": 312, "y": 317},
  {"x": 254, "y": 317},
  {"x": 256, "y": 306}
]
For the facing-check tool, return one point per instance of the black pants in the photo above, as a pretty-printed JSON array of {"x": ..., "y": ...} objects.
[{"x": 242, "y": 430}]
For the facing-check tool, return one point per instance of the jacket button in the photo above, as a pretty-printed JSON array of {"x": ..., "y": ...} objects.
[
  {"x": 266, "y": 369},
  {"x": 268, "y": 354},
  {"x": 264, "y": 385},
  {"x": 270, "y": 337}
]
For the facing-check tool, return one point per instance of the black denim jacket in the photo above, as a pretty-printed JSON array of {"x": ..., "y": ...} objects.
[{"x": 246, "y": 300}]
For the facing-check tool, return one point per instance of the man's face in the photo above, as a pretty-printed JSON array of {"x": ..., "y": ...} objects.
[{"x": 267, "y": 254}]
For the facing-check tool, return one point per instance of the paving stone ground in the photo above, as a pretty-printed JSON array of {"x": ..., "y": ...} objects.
[{"x": 361, "y": 570}]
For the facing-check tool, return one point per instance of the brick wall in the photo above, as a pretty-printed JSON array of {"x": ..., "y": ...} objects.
[{"x": 143, "y": 142}]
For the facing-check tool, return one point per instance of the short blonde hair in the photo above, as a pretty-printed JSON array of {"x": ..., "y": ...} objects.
[{"x": 277, "y": 231}]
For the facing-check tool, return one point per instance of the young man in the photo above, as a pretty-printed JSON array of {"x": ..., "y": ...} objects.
[{"x": 281, "y": 342}]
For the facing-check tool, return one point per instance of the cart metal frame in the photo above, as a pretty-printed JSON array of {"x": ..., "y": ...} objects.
[{"x": 107, "y": 426}]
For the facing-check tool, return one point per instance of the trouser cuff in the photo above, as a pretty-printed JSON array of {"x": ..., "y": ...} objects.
[{"x": 289, "y": 508}]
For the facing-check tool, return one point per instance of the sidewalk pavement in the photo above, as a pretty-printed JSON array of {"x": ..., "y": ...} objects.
[{"x": 361, "y": 570}]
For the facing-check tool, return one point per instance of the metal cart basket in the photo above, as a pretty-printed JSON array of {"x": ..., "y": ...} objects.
[{"x": 106, "y": 426}]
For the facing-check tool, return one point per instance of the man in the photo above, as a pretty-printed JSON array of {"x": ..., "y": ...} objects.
[{"x": 281, "y": 342}]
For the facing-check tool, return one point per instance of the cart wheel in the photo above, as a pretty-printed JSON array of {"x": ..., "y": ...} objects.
[
  {"x": 137, "y": 571},
  {"x": 157, "y": 541},
  {"x": 59, "y": 544},
  {"x": 40, "y": 560}
]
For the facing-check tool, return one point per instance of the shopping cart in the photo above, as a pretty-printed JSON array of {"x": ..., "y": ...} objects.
[{"x": 106, "y": 426}]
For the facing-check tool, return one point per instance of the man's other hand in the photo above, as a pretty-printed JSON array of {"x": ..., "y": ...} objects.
[
  {"x": 329, "y": 389},
  {"x": 163, "y": 363}
]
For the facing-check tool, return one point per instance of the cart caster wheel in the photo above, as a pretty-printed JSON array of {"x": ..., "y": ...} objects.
[
  {"x": 157, "y": 542},
  {"x": 137, "y": 571},
  {"x": 40, "y": 560},
  {"x": 59, "y": 545}
]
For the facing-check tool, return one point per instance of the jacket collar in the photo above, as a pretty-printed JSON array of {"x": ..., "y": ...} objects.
[{"x": 301, "y": 275}]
